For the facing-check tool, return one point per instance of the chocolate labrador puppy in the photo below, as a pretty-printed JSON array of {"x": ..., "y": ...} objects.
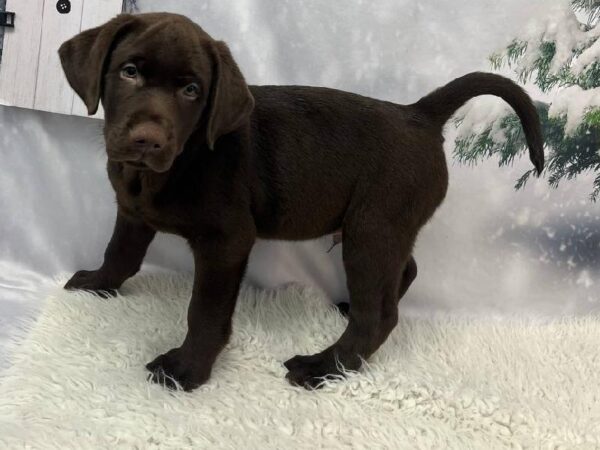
[{"x": 193, "y": 150}]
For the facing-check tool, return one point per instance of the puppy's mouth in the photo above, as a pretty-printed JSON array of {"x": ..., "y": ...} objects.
[
  {"x": 143, "y": 162},
  {"x": 140, "y": 165},
  {"x": 148, "y": 165}
]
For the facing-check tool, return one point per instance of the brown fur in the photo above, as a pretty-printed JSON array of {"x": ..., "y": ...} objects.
[{"x": 234, "y": 163}]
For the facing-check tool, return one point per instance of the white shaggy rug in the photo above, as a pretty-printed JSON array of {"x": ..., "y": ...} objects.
[{"x": 78, "y": 380}]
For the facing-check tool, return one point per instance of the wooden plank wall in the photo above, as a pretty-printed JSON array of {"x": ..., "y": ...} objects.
[
  {"x": 30, "y": 72},
  {"x": 19, "y": 67}
]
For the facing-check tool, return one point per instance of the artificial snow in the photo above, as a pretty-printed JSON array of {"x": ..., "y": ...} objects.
[
  {"x": 480, "y": 115},
  {"x": 573, "y": 102}
]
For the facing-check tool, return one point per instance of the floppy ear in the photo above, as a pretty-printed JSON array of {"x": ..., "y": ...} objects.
[
  {"x": 84, "y": 58},
  {"x": 230, "y": 102}
]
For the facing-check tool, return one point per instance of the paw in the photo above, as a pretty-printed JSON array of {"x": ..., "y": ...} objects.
[
  {"x": 176, "y": 367},
  {"x": 94, "y": 281},
  {"x": 310, "y": 371}
]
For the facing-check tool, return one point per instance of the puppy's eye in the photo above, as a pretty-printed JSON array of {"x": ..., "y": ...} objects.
[
  {"x": 129, "y": 71},
  {"x": 191, "y": 91}
]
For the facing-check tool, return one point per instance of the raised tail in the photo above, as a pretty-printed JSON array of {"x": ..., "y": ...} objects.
[{"x": 440, "y": 104}]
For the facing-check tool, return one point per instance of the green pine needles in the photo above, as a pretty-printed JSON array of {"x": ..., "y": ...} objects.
[{"x": 554, "y": 62}]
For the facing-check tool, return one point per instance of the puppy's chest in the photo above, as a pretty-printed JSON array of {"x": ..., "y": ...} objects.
[{"x": 145, "y": 198}]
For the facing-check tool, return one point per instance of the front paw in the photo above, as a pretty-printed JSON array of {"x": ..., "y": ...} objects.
[
  {"x": 177, "y": 367},
  {"x": 94, "y": 281}
]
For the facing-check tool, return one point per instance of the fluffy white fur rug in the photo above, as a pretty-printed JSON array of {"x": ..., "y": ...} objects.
[{"x": 78, "y": 380}]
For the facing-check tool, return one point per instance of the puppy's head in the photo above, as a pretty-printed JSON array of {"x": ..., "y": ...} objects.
[{"x": 161, "y": 78}]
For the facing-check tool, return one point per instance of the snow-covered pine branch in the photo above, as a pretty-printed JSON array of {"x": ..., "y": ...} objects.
[
  {"x": 556, "y": 46},
  {"x": 574, "y": 104}
]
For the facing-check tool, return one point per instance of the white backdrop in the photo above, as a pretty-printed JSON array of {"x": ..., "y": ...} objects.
[{"x": 488, "y": 250}]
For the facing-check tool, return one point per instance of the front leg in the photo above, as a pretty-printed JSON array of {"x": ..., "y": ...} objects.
[
  {"x": 122, "y": 258},
  {"x": 218, "y": 274}
]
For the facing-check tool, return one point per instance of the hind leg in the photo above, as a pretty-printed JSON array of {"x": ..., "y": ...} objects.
[
  {"x": 376, "y": 259},
  {"x": 408, "y": 276}
]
